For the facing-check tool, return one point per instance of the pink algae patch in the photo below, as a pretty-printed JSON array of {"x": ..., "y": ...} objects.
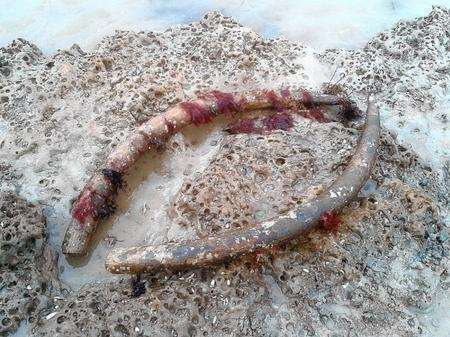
[
  {"x": 243, "y": 126},
  {"x": 197, "y": 112},
  {"x": 279, "y": 121},
  {"x": 241, "y": 104},
  {"x": 330, "y": 221},
  {"x": 316, "y": 114},
  {"x": 275, "y": 100},
  {"x": 225, "y": 102}
]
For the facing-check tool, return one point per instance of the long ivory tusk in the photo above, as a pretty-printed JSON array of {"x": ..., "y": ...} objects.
[
  {"x": 204, "y": 252},
  {"x": 97, "y": 200}
]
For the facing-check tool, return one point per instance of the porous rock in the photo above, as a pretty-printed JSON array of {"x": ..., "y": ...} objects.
[
  {"x": 28, "y": 272},
  {"x": 258, "y": 177},
  {"x": 382, "y": 273}
]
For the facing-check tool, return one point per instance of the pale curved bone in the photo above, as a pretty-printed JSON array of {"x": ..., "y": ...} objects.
[
  {"x": 97, "y": 199},
  {"x": 211, "y": 250}
]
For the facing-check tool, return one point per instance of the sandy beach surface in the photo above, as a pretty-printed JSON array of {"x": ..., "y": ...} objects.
[{"x": 384, "y": 273}]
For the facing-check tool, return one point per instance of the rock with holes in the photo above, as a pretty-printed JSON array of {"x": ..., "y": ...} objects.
[
  {"x": 22, "y": 229},
  {"x": 384, "y": 272},
  {"x": 257, "y": 177},
  {"x": 28, "y": 267}
]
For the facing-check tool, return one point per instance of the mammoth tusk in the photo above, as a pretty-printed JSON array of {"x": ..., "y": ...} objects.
[
  {"x": 97, "y": 200},
  {"x": 234, "y": 243}
]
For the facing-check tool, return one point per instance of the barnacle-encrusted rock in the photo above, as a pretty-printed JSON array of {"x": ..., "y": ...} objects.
[
  {"x": 28, "y": 272},
  {"x": 255, "y": 178},
  {"x": 384, "y": 273},
  {"x": 22, "y": 228}
]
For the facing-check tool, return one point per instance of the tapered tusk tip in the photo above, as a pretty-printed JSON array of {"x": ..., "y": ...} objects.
[
  {"x": 75, "y": 241},
  {"x": 133, "y": 260},
  {"x": 113, "y": 263},
  {"x": 120, "y": 261}
]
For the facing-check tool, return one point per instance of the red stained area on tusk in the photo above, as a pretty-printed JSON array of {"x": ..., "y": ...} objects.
[
  {"x": 225, "y": 102},
  {"x": 307, "y": 98},
  {"x": 198, "y": 113},
  {"x": 83, "y": 208},
  {"x": 241, "y": 103},
  {"x": 279, "y": 121},
  {"x": 275, "y": 100}
]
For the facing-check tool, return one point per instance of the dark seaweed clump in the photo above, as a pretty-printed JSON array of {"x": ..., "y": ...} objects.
[
  {"x": 137, "y": 286},
  {"x": 114, "y": 177}
]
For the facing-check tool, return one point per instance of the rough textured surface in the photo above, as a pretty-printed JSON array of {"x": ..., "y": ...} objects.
[
  {"x": 379, "y": 275},
  {"x": 28, "y": 272},
  {"x": 407, "y": 64},
  {"x": 407, "y": 68},
  {"x": 384, "y": 273},
  {"x": 22, "y": 224},
  {"x": 258, "y": 177}
]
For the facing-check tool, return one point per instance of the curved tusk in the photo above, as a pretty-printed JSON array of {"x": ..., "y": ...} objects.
[
  {"x": 97, "y": 200},
  {"x": 204, "y": 252}
]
